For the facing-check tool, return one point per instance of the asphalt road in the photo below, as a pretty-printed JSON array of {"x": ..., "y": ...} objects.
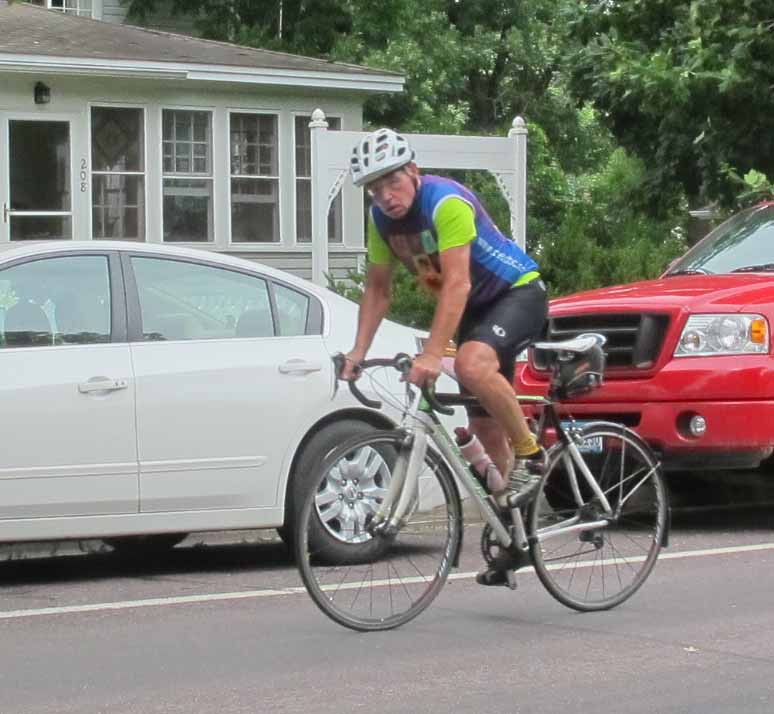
[{"x": 220, "y": 624}]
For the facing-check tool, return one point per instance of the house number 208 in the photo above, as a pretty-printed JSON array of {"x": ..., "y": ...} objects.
[{"x": 84, "y": 176}]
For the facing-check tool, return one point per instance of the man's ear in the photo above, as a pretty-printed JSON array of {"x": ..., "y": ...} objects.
[{"x": 411, "y": 169}]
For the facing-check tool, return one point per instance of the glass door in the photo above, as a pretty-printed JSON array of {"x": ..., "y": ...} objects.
[{"x": 38, "y": 201}]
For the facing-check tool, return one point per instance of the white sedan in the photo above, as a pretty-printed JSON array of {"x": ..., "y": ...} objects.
[{"x": 149, "y": 391}]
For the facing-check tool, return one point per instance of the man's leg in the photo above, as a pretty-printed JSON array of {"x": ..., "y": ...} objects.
[{"x": 477, "y": 367}]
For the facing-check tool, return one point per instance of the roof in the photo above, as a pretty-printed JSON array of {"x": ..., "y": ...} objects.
[{"x": 36, "y": 39}]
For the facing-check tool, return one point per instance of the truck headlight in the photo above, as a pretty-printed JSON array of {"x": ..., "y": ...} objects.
[{"x": 723, "y": 335}]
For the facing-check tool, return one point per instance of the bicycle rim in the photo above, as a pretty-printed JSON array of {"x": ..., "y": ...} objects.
[
  {"x": 384, "y": 582},
  {"x": 598, "y": 568}
]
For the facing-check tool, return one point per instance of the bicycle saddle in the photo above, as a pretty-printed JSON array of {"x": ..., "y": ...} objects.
[{"x": 579, "y": 344}]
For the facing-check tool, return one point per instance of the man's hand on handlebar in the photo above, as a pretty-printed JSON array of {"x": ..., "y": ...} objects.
[
  {"x": 351, "y": 369},
  {"x": 425, "y": 369}
]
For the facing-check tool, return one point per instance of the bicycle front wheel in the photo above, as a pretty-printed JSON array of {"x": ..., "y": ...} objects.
[
  {"x": 374, "y": 582},
  {"x": 586, "y": 557}
]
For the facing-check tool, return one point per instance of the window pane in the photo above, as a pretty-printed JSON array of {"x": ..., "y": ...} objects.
[
  {"x": 303, "y": 210},
  {"x": 186, "y": 142},
  {"x": 41, "y": 227},
  {"x": 304, "y": 214},
  {"x": 117, "y": 139},
  {"x": 39, "y": 165},
  {"x": 55, "y": 301},
  {"x": 187, "y": 301},
  {"x": 254, "y": 210},
  {"x": 303, "y": 188},
  {"x": 334, "y": 221},
  {"x": 254, "y": 145},
  {"x": 118, "y": 207},
  {"x": 292, "y": 311},
  {"x": 187, "y": 210},
  {"x": 303, "y": 147},
  {"x": 304, "y": 142}
]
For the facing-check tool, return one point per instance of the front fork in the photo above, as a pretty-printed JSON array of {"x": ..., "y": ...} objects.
[{"x": 403, "y": 492}]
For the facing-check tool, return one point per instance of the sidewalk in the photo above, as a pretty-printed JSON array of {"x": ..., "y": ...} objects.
[{"x": 49, "y": 549}]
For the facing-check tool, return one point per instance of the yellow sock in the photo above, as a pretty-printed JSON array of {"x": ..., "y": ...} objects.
[{"x": 527, "y": 447}]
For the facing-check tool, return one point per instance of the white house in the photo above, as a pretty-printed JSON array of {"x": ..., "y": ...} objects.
[{"x": 115, "y": 132}]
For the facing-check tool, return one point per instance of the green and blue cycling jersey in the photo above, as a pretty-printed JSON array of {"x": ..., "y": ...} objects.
[{"x": 444, "y": 215}]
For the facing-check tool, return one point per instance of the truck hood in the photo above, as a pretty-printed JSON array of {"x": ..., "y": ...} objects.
[{"x": 695, "y": 293}]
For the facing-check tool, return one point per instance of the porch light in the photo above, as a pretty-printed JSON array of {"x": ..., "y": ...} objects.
[{"x": 42, "y": 93}]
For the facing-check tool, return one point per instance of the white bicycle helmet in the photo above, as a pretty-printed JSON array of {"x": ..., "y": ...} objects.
[{"x": 377, "y": 154}]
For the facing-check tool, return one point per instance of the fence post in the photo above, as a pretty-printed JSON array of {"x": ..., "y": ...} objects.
[
  {"x": 319, "y": 197},
  {"x": 519, "y": 132}
]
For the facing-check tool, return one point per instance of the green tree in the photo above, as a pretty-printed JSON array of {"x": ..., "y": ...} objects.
[
  {"x": 684, "y": 84},
  {"x": 300, "y": 26},
  {"x": 470, "y": 67},
  {"x": 602, "y": 238}
]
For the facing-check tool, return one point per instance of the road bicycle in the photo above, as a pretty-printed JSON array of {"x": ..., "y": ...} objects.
[{"x": 592, "y": 529}]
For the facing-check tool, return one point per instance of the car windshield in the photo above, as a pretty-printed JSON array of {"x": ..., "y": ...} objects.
[{"x": 744, "y": 243}]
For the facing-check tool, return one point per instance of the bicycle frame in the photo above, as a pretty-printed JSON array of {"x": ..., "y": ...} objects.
[{"x": 420, "y": 424}]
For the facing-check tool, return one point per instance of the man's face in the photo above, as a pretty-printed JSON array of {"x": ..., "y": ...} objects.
[{"x": 395, "y": 192}]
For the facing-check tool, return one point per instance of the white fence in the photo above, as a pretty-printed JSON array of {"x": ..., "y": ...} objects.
[{"x": 504, "y": 157}]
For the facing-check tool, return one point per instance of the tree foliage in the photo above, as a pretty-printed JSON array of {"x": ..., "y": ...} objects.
[
  {"x": 471, "y": 66},
  {"x": 684, "y": 84}
]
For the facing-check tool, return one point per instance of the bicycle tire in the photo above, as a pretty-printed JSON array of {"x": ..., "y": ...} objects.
[
  {"x": 388, "y": 581},
  {"x": 600, "y": 568}
]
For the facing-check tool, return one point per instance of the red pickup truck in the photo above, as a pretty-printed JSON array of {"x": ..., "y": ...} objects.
[{"x": 689, "y": 356}]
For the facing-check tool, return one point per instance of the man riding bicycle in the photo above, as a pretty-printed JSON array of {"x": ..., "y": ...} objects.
[{"x": 489, "y": 293}]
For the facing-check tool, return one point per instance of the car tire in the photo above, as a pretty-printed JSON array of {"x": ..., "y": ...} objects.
[
  {"x": 314, "y": 453},
  {"x": 145, "y": 545}
]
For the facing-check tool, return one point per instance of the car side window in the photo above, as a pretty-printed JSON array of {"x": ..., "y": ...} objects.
[
  {"x": 55, "y": 301},
  {"x": 292, "y": 311},
  {"x": 181, "y": 300}
]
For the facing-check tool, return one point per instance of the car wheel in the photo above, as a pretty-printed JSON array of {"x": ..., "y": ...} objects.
[
  {"x": 145, "y": 545},
  {"x": 306, "y": 476}
]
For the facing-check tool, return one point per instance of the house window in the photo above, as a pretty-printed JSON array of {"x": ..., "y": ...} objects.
[
  {"x": 74, "y": 7},
  {"x": 187, "y": 167},
  {"x": 304, "y": 185},
  {"x": 254, "y": 178},
  {"x": 118, "y": 173}
]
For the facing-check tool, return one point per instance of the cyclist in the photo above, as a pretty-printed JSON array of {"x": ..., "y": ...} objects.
[{"x": 488, "y": 291}]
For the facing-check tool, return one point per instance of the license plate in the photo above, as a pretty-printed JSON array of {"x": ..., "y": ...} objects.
[{"x": 587, "y": 446}]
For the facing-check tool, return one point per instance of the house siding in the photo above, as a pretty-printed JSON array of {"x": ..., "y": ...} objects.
[
  {"x": 339, "y": 264},
  {"x": 71, "y": 98},
  {"x": 113, "y": 11}
]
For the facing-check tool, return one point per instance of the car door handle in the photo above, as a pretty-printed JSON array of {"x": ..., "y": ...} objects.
[
  {"x": 102, "y": 384},
  {"x": 299, "y": 366}
]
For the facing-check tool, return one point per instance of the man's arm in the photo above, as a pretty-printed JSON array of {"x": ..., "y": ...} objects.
[
  {"x": 455, "y": 225},
  {"x": 455, "y": 288}
]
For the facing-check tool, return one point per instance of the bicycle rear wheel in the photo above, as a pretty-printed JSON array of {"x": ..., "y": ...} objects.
[
  {"x": 598, "y": 568},
  {"x": 378, "y": 582}
]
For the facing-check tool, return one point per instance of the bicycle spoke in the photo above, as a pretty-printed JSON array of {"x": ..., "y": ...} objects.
[
  {"x": 391, "y": 578},
  {"x": 617, "y": 558}
]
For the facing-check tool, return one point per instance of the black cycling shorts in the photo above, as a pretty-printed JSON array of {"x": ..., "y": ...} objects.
[{"x": 508, "y": 325}]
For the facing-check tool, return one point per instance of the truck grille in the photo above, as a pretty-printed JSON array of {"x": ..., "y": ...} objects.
[{"x": 633, "y": 339}]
